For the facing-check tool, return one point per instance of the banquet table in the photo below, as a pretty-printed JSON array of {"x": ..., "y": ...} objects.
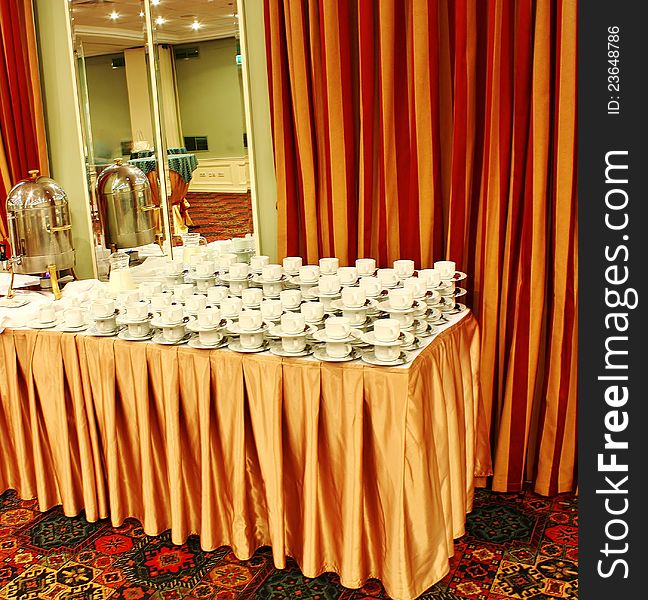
[{"x": 361, "y": 470}]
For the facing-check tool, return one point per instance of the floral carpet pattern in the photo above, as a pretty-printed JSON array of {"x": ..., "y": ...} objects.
[
  {"x": 221, "y": 216},
  {"x": 519, "y": 546}
]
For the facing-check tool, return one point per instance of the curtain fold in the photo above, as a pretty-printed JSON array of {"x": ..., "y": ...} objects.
[
  {"x": 428, "y": 129},
  {"x": 23, "y": 144}
]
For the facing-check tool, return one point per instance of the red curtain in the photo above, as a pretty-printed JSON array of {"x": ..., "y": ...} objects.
[
  {"x": 432, "y": 129},
  {"x": 23, "y": 145}
]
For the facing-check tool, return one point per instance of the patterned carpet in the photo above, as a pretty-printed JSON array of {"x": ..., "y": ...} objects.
[
  {"x": 517, "y": 546},
  {"x": 221, "y": 216}
]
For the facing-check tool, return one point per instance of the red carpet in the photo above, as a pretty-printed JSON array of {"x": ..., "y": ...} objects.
[
  {"x": 221, "y": 216},
  {"x": 517, "y": 546}
]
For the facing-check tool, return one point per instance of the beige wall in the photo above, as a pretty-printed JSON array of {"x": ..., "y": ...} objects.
[
  {"x": 108, "y": 101},
  {"x": 209, "y": 95}
]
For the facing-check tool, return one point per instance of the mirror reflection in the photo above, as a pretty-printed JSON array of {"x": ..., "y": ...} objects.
[{"x": 200, "y": 87}]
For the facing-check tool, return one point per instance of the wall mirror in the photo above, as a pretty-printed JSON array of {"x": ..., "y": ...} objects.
[{"x": 161, "y": 89}]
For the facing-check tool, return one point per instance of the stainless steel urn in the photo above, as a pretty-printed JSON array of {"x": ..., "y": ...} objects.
[
  {"x": 39, "y": 225},
  {"x": 126, "y": 206}
]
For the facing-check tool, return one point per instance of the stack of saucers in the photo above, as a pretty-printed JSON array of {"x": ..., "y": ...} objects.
[
  {"x": 209, "y": 326},
  {"x": 172, "y": 324},
  {"x": 449, "y": 276},
  {"x": 137, "y": 320},
  {"x": 249, "y": 329},
  {"x": 386, "y": 342},
  {"x": 292, "y": 333},
  {"x": 338, "y": 337}
]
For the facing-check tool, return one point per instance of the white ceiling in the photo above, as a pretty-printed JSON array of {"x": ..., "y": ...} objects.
[{"x": 102, "y": 35}]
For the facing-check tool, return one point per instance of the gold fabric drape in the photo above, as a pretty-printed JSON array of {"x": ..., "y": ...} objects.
[
  {"x": 364, "y": 471},
  {"x": 430, "y": 129}
]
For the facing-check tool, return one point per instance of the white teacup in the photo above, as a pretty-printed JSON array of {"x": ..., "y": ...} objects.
[
  {"x": 417, "y": 285},
  {"x": 102, "y": 308},
  {"x": 127, "y": 296},
  {"x": 348, "y": 275},
  {"x": 47, "y": 313},
  {"x": 329, "y": 284},
  {"x": 173, "y": 313},
  {"x": 446, "y": 268},
  {"x": 227, "y": 259},
  {"x": 404, "y": 268},
  {"x": 159, "y": 301},
  {"x": 195, "y": 302},
  {"x": 387, "y": 353},
  {"x": 252, "y": 297},
  {"x": 449, "y": 301},
  {"x": 217, "y": 294},
  {"x": 272, "y": 288},
  {"x": 337, "y": 328},
  {"x": 272, "y": 272},
  {"x": 209, "y": 316},
  {"x": 240, "y": 244},
  {"x": 231, "y": 307},
  {"x": 309, "y": 273},
  {"x": 356, "y": 317},
  {"x": 271, "y": 309},
  {"x": 137, "y": 311},
  {"x": 239, "y": 271},
  {"x": 365, "y": 266},
  {"x": 338, "y": 349},
  {"x": 292, "y": 264},
  {"x": 313, "y": 311},
  {"x": 106, "y": 325},
  {"x": 354, "y": 297},
  {"x": 258, "y": 262},
  {"x": 386, "y": 330},
  {"x": 140, "y": 329},
  {"x": 73, "y": 316},
  {"x": 329, "y": 266},
  {"x": 206, "y": 268},
  {"x": 431, "y": 277},
  {"x": 387, "y": 277},
  {"x": 149, "y": 288},
  {"x": 405, "y": 319},
  {"x": 371, "y": 286},
  {"x": 251, "y": 340},
  {"x": 174, "y": 334},
  {"x": 290, "y": 299},
  {"x": 173, "y": 268},
  {"x": 182, "y": 290},
  {"x": 210, "y": 337},
  {"x": 250, "y": 320},
  {"x": 401, "y": 298},
  {"x": 293, "y": 344},
  {"x": 293, "y": 322}
]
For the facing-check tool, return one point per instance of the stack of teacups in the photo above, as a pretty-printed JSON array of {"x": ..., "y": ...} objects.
[
  {"x": 308, "y": 277},
  {"x": 172, "y": 324},
  {"x": 365, "y": 267},
  {"x": 104, "y": 314},
  {"x": 231, "y": 307},
  {"x": 337, "y": 337},
  {"x": 252, "y": 298},
  {"x": 205, "y": 274},
  {"x": 329, "y": 266},
  {"x": 241, "y": 246},
  {"x": 215, "y": 295},
  {"x": 160, "y": 300},
  {"x": 250, "y": 329},
  {"x": 148, "y": 288},
  {"x": 271, "y": 280},
  {"x": 291, "y": 265},
  {"x": 237, "y": 277},
  {"x": 348, "y": 276},
  {"x": 258, "y": 262},
  {"x": 400, "y": 306},
  {"x": 388, "y": 278},
  {"x": 209, "y": 327},
  {"x": 271, "y": 309},
  {"x": 126, "y": 297},
  {"x": 419, "y": 292},
  {"x": 290, "y": 300},
  {"x": 328, "y": 289},
  {"x": 292, "y": 331},
  {"x": 173, "y": 273},
  {"x": 137, "y": 319},
  {"x": 47, "y": 316},
  {"x": 385, "y": 339},
  {"x": 194, "y": 304},
  {"x": 354, "y": 305},
  {"x": 74, "y": 318},
  {"x": 313, "y": 313},
  {"x": 181, "y": 291},
  {"x": 447, "y": 286},
  {"x": 404, "y": 268}
]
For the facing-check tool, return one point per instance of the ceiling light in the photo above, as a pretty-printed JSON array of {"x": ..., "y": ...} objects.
[
  {"x": 155, "y": 2},
  {"x": 160, "y": 21},
  {"x": 114, "y": 15},
  {"x": 196, "y": 25},
  {"x": 141, "y": 13}
]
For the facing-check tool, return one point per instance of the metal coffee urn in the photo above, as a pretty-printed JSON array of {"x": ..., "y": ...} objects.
[
  {"x": 126, "y": 206},
  {"x": 40, "y": 231}
]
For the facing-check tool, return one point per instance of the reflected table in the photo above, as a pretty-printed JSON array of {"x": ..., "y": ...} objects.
[{"x": 360, "y": 470}]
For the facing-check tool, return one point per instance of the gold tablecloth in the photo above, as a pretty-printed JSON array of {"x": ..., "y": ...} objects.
[{"x": 364, "y": 471}]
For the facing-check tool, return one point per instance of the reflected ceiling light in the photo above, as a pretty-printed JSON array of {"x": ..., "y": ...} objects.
[
  {"x": 141, "y": 13},
  {"x": 196, "y": 25},
  {"x": 160, "y": 21},
  {"x": 155, "y": 2},
  {"x": 114, "y": 15}
]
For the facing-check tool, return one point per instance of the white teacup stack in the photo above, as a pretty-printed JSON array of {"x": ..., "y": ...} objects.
[
  {"x": 308, "y": 277},
  {"x": 354, "y": 305},
  {"x": 46, "y": 316},
  {"x": 137, "y": 318},
  {"x": 237, "y": 278},
  {"x": 271, "y": 279},
  {"x": 337, "y": 336},
  {"x": 313, "y": 312},
  {"x": 385, "y": 339},
  {"x": 250, "y": 328},
  {"x": 400, "y": 306},
  {"x": 172, "y": 323},
  {"x": 104, "y": 315},
  {"x": 209, "y": 326},
  {"x": 293, "y": 331},
  {"x": 194, "y": 303}
]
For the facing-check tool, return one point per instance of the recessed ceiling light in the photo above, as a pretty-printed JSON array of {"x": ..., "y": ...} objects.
[
  {"x": 114, "y": 15},
  {"x": 196, "y": 25},
  {"x": 160, "y": 20}
]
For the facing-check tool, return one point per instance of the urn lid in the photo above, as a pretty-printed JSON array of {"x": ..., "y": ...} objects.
[
  {"x": 35, "y": 192},
  {"x": 120, "y": 178}
]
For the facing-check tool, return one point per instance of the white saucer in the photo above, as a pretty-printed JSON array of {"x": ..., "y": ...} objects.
[
  {"x": 321, "y": 336},
  {"x": 276, "y": 348},
  {"x": 430, "y": 296},
  {"x": 320, "y": 354},
  {"x": 15, "y": 302},
  {"x": 96, "y": 333},
  {"x": 227, "y": 279},
  {"x": 234, "y": 328},
  {"x": 404, "y": 339},
  {"x": 315, "y": 291},
  {"x": 369, "y": 356},
  {"x": 432, "y": 314},
  {"x": 158, "y": 323},
  {"x": 415, "y": 345},
  {"x": 115, "y": 314},
  {"x": 458, "y": 276},
  {"x": 417, "y": 305},
  {"x": 368, "y": 305},
  {"x": 456, "y": 310},
  {"x": 194, "y": 342},
  {"x": 39, "y": 325},
  {"x": 420, "y": 328},
  {"x": 124, "y": 335},
  {"x": 457, "y": 292},
  {"x": 297, "y": 281},
  {"x": 158, "y": 338},
  {"x": 194, "y": 326},
  {"x": 236, "y": 346},
  {"x": 276, "y": 331},
  {"x": 259, "y": 279},
  {"x": 124, "y": 320},
  {"x": 70, "y": 329}
]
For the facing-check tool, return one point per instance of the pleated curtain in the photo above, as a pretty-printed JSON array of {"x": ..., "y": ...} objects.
[
  {"x": 23, "y": 145},
  {"x": 432, "y": 129}
]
